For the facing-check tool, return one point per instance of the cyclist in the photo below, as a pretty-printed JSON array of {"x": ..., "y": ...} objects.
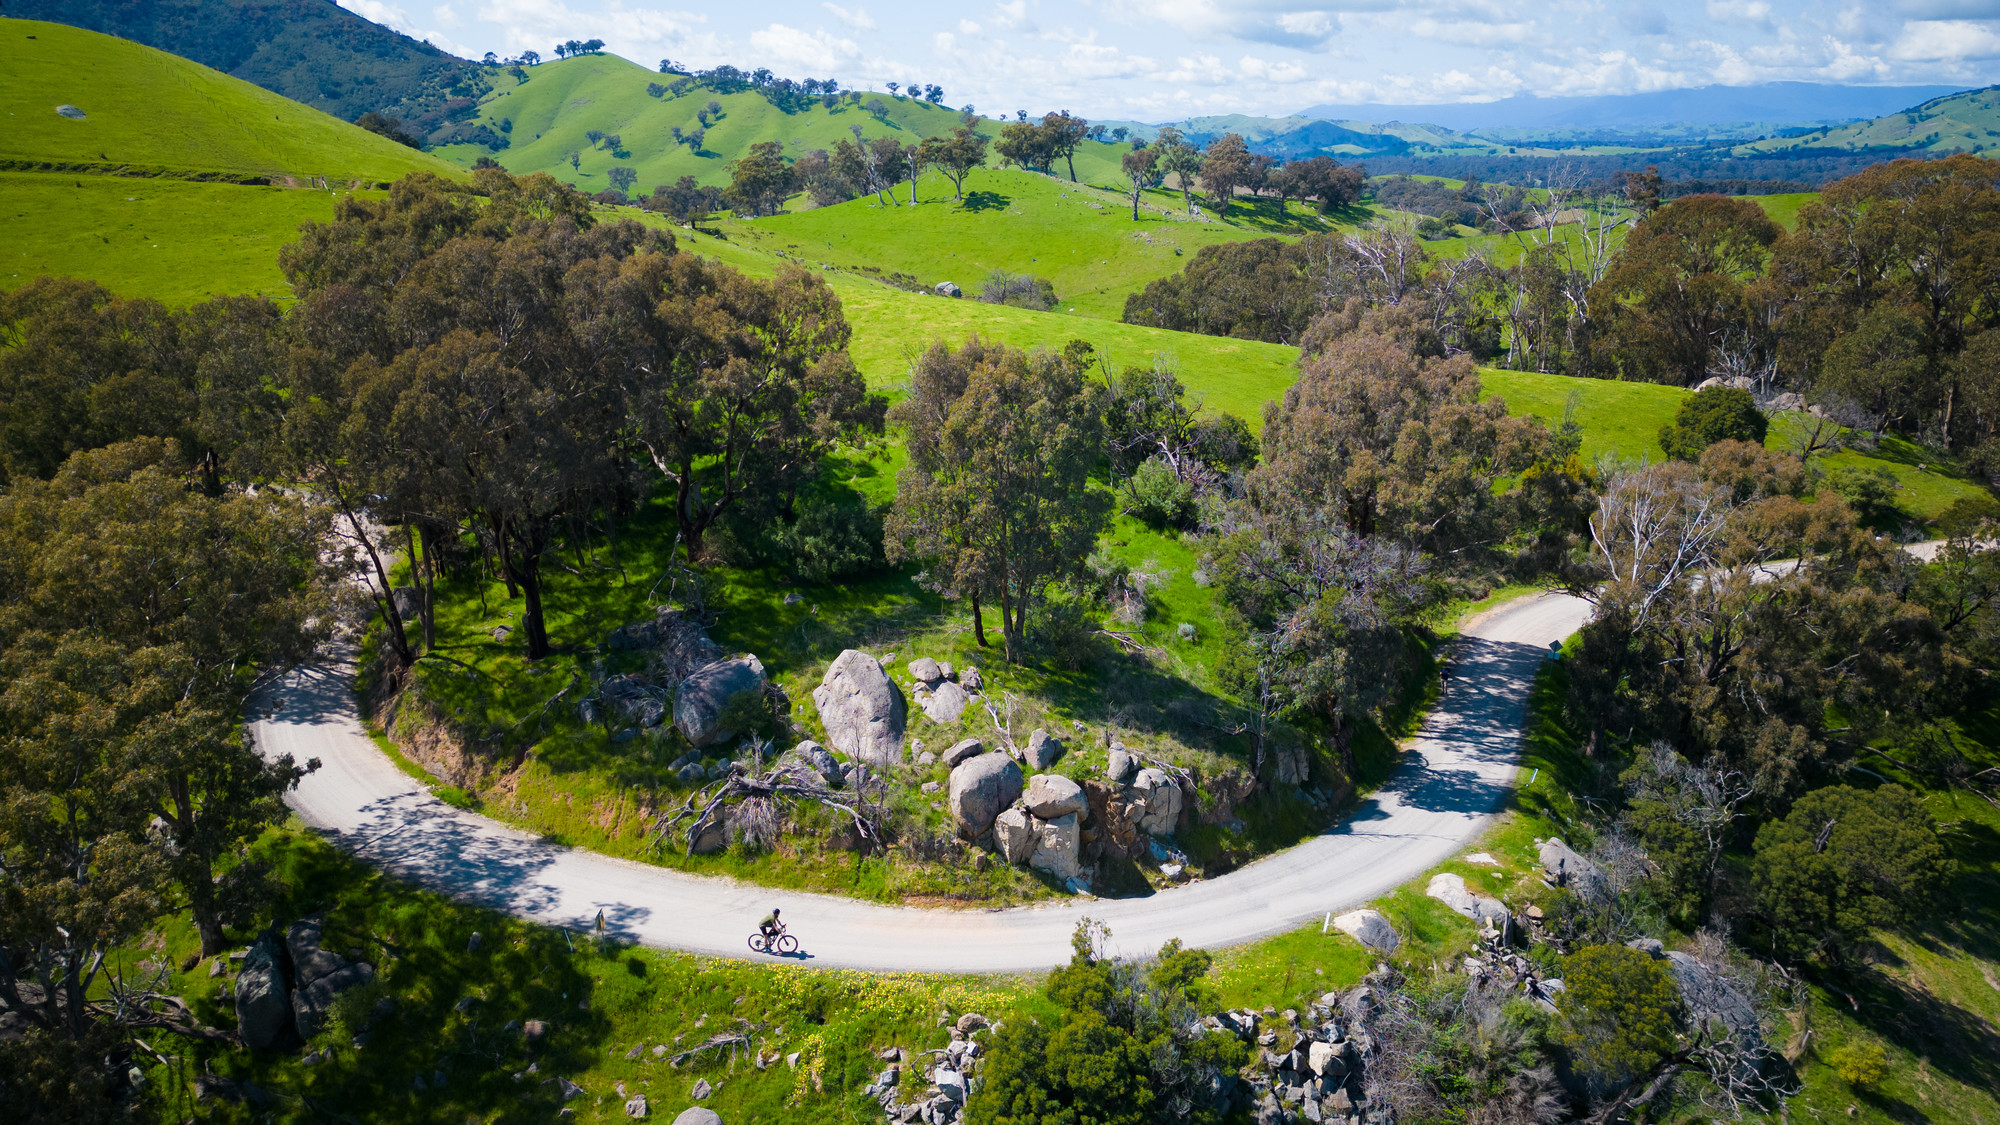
[{"x": 771, "y": 926}]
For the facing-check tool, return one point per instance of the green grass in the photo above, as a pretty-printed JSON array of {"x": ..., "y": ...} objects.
[
  {"x": 1082, "y": 239},
  {"x": 146, "y": 107},
  {"x": 602, "y": 1000},
  {"x": 565, "y": 99},
  {"x": 171, "y": 240},
  {"x": 1784, "y": 209}
]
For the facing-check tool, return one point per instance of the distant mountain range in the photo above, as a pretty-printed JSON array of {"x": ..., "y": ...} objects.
[
  {"x": 1738, "y": 110},
  {"x": 311, "y": 51}
]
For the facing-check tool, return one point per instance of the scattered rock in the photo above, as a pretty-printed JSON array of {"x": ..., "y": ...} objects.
[
  {"x": 473, "y": 943},
  {"x": 1121, "y": 767},
  {"x": 1369, "y": 928},
  {"x": 947, "y": 703},
  {"x": 1451, "y": 890},
  {"x": 1049, "y": 796},
  {"x": 942, "y": 288},
  {"x": 1482, "y": 859},
  {"x": 792, "y": 1060},
  {"x": 76, "y": 114},
  {"x": 1711, "y": 998},
  {"x": 318, "y": 975},
  {"x": 946, "y": 670},
  {"x": 971, "y": 680},
  {"x": 635, "y": 1106},
  {"x": 534, "y": 1031},
  {"x": 217, "y": 967},
  {"x": 971, "y": 1022},
  {"x": 931, "y": 786},
  {"x": 1565, "y": 868},
  {"x": 1014, "y": 835},
  {"x": 960, "y": 751},
  {"x": 701, "y": 1089},
  {"x": 794, "y": 598},
  {"x": 927, "y": 759},
  {"x": 861, "y": 709},
  {"x": 701, "y": 698},
  {"x": 980, "y": 788},
  {"x": 568, "y": 1089},
  {"x": 925, "y": 670},
  {"x": 692, "y": 774},
  {"x": 1044, "y": 750},
  {"x": 822, "y": 761},
  {"x": 502, "y": 632},
  {"x": 263, "y": 1007},
  {"x": 698, "y": 1115},
  {"x": 1056, "y": 847}
]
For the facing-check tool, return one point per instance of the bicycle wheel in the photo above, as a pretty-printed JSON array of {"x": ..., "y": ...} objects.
[
  {"x": 757, "y": 943},
  {"x": 787, "y": 944}
]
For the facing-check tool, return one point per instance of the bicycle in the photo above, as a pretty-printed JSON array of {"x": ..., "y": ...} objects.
[{"x": 778, "y": 944}]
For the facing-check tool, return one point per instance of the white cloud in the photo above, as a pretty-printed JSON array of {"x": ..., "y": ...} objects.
[
  {"x": 1011, "y": 15},
  {"x": 857, "y": 18},
  {"x": 968, "y": 27},
  {"x": 1252, "y": 67},
  {"x": 1740, "y": 11},
  {"x": 1945, "y": 41},
  {"x": 813, "y": 50}
]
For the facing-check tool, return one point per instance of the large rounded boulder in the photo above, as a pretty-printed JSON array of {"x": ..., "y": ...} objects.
[
  {"x": 980, "y": 788},
  {"x": 1050, "y": 795},
  {"x": 702, "y": 701},
  {"x": 861, "y": 709}
]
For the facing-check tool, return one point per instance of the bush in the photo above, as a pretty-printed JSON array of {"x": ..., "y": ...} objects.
[
  {"x": 1018, "y": 290},
  {"x": 1062, "y": 628},
  {"x": 1967, "y": 513},
  {"x": 1860, "y": 1065},
  {"x": 1843, "y": 862},
  {"x": 1716, "y": 414},
  {"x": 830, "y": 540},
  {"x": 1155, "y": 496},
  {"x": 1871, "y": 492}
]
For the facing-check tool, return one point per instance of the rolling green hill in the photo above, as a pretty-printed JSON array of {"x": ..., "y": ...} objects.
[
  {"x": 546, "y": 118},
  {"x": 154, "y": 110},
  {"x": 312, "y": 51},
  {"x": 1967, "y": 122}
]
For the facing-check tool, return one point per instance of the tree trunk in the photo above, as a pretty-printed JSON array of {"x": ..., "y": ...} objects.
[
  {"x": 1070, "y": 158},
  {"x": 385, "y": 602},
  {"x": 978, "y": 622},
  {"x": 528, "y": 575}
]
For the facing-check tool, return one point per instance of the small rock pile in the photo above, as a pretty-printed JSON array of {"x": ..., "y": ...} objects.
[
  {"x": 947, "y": 1077},
  {"x": 1320, "y": 1074},
  {"x": 941, "y": 692}
]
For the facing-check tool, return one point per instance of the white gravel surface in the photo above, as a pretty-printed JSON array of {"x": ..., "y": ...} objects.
[{"x": 1450, "y": 783}]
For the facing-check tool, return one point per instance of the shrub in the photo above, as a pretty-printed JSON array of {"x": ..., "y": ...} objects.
[
  {"x": 1018, "y": 290},
  {"x": 1871, "y": 492},
  {"x": 1062, "y": 628},
  {"x": 1843, "y": 862},
  {"x": 1716, "y": 414},
  {"x": 1967, "y": 513},
  {"x": 1155, "y": 496},
  {"x": 1618, "y": 1011},
  {"x": 831, "y": 540},
  {"x": 1860, "y": 1065}
]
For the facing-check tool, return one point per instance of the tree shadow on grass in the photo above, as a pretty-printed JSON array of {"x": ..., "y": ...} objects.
[
  {"x": 984, "y": 201},
  {"x": 1958, "y": 1043}
]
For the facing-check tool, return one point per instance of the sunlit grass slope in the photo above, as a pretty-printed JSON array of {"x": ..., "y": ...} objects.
[
  {"x": 148, "y": 108},
  {"x": 562, "y": 101},
  {"x": 1082, "y": 239}
]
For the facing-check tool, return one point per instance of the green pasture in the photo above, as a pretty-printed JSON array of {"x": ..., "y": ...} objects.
[
  {"x": 146, "y": 107},
  {"x": 1083, "y": 239},
  {"x": 173, "y": 240}
]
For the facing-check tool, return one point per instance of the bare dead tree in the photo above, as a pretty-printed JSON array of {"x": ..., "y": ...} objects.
[{"x": 758, "y": 803}]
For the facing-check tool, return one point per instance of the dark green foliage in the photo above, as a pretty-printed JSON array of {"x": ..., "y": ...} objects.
[
  {"x": 52, "y": 1080},
  {"x": 390, "y": 127},
  {"x": 1843, "y": 862},
  {"x": 1716, "y": 414},
  {"x": 1018, "y": 290},
  {"x": 1119, "y": 1051},
  {"x": 831, "y": 540},
  {"x": 1062, "y": 628},
  {"x": 1255, "y": 290},
  {"x": 1870, "y": 491},
  {"x": 308, "y": 50}
]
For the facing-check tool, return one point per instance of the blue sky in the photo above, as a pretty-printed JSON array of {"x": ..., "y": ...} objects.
[{"x": 1165, "y": 59}]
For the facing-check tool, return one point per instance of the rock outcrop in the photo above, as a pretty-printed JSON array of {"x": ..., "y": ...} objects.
[
  {"x": 1564, "y": 868},
  {"x": 1451, "y": 890},
  {"x": 263, "y": 1000},
  {"x": 980, "y": 788},
  {"x": 1049, "y": 796},
  {"x": 703, "y": 699},
  {"x": 318, "y": 976},
  {"x": 945, "y": 704},
  {"x": 1044, "y": 750},
  {"x": 1056, "y": 843},
  {"x": 1014, "y": 835},
  {"x": 1156, "y": 802},
  {"x": 861, "y": 709},
  {"x": 1369, "y": 928},
  {"x": 960, "y": 751},
  {"x": 822, "y": 761}
]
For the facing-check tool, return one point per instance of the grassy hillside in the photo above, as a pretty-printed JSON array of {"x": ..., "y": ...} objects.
[
  {"x": 146, "y": 107},
  {"x": 546, "y": 118},
  {"x": 1082, "y": 239},
  {"x": 175, "y": 241},
  {"x": 1967, "y": 122},
  {"x": 312, "y": 51}
]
